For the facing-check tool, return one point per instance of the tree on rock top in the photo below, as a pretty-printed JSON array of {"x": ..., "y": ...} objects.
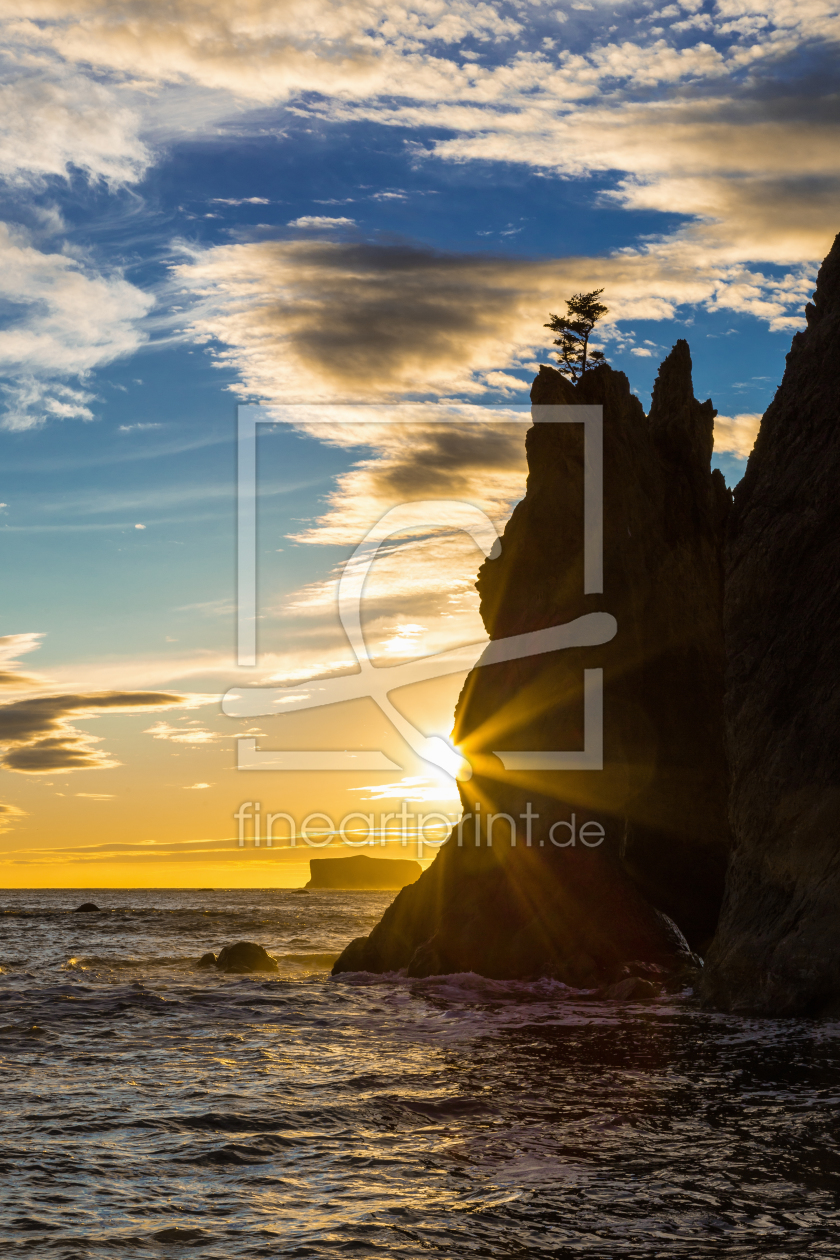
[{"x": 583, "y": 310}]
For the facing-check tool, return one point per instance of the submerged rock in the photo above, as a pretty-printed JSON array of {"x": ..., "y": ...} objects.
[
  {"x": 245, "y": 956},
  {"x": 207, "y": 960},
  {"x": 632, "y": 988},
  {"x": 362, "y": 873},
  {"x": 608, "y": 865},
  {"x": 777, "y": 951},
  {"x": 87, "y": 907}
]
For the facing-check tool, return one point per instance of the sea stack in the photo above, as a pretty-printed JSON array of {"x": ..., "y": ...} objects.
[
  {"x": 777, "y": 951},
  {"x": 362, "y": 873},
  {"x": 589, "y": 875}
]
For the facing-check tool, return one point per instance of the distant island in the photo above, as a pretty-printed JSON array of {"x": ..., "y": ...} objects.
[{"x": 362, "y": 872}]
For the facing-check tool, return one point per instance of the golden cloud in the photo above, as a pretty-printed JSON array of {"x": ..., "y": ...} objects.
[
  {"x": 8, "y": 816},
  {"x": 424, "y": 322},
  {"x": 13, "y": 646},
  {"x": 735, "y": 435}
]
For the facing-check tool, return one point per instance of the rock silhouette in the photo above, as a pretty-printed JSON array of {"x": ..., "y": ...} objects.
[
  {"x": 777, "y": 951},
  {"x": 87, "y": 907},
  {"x": 362, "y": 872},
  {"x": 554, "y": 899},
  {"x": 245, "y": 956}
]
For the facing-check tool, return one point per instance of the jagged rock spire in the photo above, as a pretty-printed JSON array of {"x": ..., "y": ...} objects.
[{"x": 578, "y": 913}]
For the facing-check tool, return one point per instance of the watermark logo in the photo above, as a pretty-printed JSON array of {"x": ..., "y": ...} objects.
[
  {"x": 405, "y": 827},
  {"x": 377, "y": 682}
]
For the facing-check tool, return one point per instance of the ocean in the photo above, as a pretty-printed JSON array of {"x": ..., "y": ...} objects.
[{"x": 151, "y": 1109}]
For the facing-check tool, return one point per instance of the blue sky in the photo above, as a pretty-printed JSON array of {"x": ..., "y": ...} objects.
[{"x": 204, "y": 204}]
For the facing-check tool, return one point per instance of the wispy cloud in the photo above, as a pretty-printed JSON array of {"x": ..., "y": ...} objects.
[
  {"x": 37, "y": 735},
  {"x": 320, "y": 222},
  {"x": 414, "y": 788},
  {"x": 12, "y": 647},
  {"x": 9, "y": 814},
  {"x": 72, "y": 319},
  {"x": 195, "y": 737}
]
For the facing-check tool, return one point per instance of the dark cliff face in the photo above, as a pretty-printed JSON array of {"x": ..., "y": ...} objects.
[
  {"x": 582, "y": 912},
  {"x": 661, "y": 796},
  {"x": 777, "y": 951}
]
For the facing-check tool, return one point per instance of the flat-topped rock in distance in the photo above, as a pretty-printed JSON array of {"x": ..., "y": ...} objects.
[
  {"x": 777, "y": 950},
  {"x": 362, "y": 873}
]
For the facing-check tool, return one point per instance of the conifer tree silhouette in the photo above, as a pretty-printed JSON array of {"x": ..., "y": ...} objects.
[{"x": 583, "y": 310}]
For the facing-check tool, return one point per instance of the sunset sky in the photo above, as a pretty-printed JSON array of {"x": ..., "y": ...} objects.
[{"x": 208, "y": 204}]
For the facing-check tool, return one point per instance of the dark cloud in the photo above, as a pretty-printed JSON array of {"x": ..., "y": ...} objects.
[
  {"x": 397, "y": 305},
  {"x": 37, "y": 737},
  {"x": 443, "y": 462},
  {"x": 362, "y": 321}
]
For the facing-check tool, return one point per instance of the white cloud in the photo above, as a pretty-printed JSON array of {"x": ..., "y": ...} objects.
[
  {"x": 320, "y": 221},
  {"x": 30, "y": 402},
  {"x": 72, "y": 319},
  {"x": 506, "y": 383},
  {"x": 53, "y": 118}
]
